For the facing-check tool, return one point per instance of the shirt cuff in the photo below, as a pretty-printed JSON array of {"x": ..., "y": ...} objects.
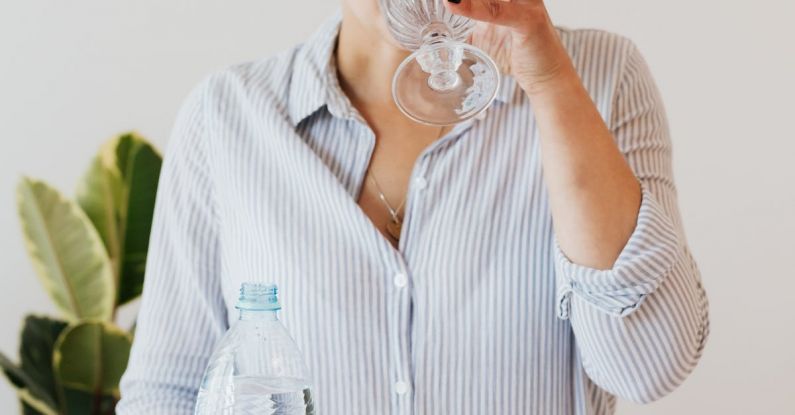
[{"x": 648, "y": 256}]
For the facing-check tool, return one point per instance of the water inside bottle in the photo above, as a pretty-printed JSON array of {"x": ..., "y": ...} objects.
[
  {"x": 283, "y": 396},
  {"x": 252, "y": 395}
]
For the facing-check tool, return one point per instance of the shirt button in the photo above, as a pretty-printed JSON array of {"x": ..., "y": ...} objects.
[
  {"x": 401, "y": 388},
  {"x": 420, "y": 183},
  {"x": 400, "y": 280}
]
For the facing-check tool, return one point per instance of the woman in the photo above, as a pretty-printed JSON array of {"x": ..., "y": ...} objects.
[{"x": 420, "y": 268}]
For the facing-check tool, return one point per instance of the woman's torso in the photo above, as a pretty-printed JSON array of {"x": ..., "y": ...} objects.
[{"x": 461, "y": 318}]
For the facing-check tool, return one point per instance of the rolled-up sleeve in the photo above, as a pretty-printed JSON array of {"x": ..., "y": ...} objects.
[
  {"x": 182, "y": 312},
  {"x": 649, "y": 255},
  {"x": 641, "y": 325}
]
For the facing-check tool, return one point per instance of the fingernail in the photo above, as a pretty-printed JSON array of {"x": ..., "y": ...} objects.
[{"x": 454, "y": 1}]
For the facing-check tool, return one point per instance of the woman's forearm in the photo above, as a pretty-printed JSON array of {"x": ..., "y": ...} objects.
[{"x": 594, "y": 195}]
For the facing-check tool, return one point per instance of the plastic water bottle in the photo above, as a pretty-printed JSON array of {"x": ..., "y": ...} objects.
[{"x": 256, "y": 367}]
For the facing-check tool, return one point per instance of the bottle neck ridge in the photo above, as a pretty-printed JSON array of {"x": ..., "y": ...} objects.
[{"x": 258, "y": 315}]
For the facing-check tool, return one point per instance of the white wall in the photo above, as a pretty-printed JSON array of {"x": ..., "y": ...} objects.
[{"x": 74, "y": 73}]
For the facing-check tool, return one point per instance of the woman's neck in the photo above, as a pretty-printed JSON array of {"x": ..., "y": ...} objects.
[{"x": 366, "y": 64}]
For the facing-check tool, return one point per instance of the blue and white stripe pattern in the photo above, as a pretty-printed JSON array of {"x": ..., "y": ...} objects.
[{"x": 478, "y": 312}]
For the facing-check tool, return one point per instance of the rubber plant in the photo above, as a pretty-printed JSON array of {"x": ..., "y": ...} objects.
[{"x": 90, "y": 255}]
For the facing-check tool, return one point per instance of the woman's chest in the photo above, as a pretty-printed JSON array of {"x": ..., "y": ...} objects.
[{"x": 289, "y": 211}]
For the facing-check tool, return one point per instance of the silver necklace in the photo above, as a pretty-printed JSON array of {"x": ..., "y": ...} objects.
[{"x": 395, "y": 224}]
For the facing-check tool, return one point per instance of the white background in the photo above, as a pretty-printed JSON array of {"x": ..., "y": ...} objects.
[{"x": 74, "y": 73}]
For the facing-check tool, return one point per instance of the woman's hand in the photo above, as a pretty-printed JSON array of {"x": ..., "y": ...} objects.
[{"x": 520, "y": 37}]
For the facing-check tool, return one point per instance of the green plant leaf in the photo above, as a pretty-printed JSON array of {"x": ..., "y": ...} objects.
[
  {"x": 96, "y": 195},
  {"x": 84, "y": 403},
  {"x": 118, "y": 195},
  {"x": 33, "y": 406},
  {"x": 67, "y": 252},
  {"x": 36, "y": 351},
  {"x": 91, "y": 357},
  {"x": 27, "y": 389},
  {"x": 13, "y": 372},
  {"x": 143, "y": 173}
]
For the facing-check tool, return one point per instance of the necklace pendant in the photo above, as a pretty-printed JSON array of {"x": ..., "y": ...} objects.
[{"x": 393, "y": 228}]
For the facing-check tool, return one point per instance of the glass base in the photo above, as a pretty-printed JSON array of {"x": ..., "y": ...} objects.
[{"x": 445, "y": 83}]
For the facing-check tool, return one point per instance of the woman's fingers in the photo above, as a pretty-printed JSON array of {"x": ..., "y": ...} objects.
[{"x": 501, "y": 12}]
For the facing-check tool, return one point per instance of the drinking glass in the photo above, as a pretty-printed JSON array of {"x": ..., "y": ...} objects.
[{"x": 445, "y": 80}]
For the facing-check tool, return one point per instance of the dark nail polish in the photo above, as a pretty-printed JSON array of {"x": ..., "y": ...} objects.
[{"x": 454, "y": 1}]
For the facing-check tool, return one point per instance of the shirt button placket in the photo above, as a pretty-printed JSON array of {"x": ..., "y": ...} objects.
[
  {"x": 401, "y": 321},
  {"x": 402, "y": 388}
]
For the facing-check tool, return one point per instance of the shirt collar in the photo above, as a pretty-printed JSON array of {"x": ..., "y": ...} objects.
[{"x": 314, "y": 83}]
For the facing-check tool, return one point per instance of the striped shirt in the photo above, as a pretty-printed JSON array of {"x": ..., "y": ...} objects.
[{"x": 477, "y": 312}]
